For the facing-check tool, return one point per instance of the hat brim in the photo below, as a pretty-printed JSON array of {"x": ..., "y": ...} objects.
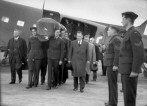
[{"x": 33, "y": 28}]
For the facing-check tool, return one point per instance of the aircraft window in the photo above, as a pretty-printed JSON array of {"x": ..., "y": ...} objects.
[
  {"x": 73, "y": 26},
  {"x": 145, "y": 31},
  {"x": 20, "y": 23},
  {"x": 5, "y": 19}
]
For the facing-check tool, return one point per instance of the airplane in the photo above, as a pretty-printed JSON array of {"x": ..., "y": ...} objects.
[{"x": 16, "y": 16}]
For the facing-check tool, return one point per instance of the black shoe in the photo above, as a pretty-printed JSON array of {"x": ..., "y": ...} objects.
[
  {"x": 41, "y": 83},
  {"x": 28, "y": 87},
  {"x": 109, "y": 105},
  {"x": 75, "y": 89},
  {"x": 35, "y": 85},
  {"x": 106, "y": 103},
  {"x": 20, "y": 80},
  {"x": 81, "y": 90},
  {"x": 12, "y": 83},
  {"x": 48, "y": 88},
  {"x": 121, "y": 90}
]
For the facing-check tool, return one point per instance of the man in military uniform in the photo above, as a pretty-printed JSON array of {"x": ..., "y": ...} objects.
[
  {"x": 17, "y": 50},
  {"x": 131, "y": 58},
  {"x": 111, "y": 56},
  {"x": 35, "y": 55},
  {"x": 55, "y": 56}
]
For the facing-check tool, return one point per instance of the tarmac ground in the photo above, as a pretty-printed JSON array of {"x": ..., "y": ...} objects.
[{"x": 95, "y": 93}]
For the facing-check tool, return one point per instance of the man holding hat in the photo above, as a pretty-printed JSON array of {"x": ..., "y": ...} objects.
[
  {"x": 131, "y": 58},
  {"x": 35, "y": 54},
  {"x": 17, "y": 51}
]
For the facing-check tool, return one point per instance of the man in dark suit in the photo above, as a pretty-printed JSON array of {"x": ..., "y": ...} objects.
[
  {"x": 35, "y": 55},
  {"x": 131, "y": 58},
  {"x": 79, "y": 57},
  {"x": 17, "y": 50},
  {"x": 55, "y": 56},
  {"x": 111, "y": 56}
]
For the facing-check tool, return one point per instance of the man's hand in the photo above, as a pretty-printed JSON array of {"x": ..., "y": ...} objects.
[
  {"x": 88, "y": 62},
  {"x": 60, "y": 62},
  {"x": 94, "y": 62},
  {"x": 133, "y": 74},
  {"x": 115, "y": 68},
  {"x": 69, "y": 61}
]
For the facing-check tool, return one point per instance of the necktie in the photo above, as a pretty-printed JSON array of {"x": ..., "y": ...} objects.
[{"x": 79, "y": 43}]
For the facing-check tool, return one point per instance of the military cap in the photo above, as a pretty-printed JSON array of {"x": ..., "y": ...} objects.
[{"x": 130, "y": 15}]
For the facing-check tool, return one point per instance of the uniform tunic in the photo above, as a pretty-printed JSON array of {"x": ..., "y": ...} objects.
[{"x": 130, "y": 60}]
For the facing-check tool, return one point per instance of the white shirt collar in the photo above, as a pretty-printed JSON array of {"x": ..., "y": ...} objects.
[{"x": 16, "y": 38}]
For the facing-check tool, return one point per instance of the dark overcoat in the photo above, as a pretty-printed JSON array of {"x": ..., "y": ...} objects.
[
  {"x": 22, "y": 49},
  {"x": 79, "y": 55}
]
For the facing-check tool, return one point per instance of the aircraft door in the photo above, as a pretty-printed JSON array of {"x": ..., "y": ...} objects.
[{"x": 51, "y": 14}]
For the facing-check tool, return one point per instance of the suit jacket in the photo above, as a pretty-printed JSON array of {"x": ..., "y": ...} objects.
[
  {"x": 111, "y": 54},
  {"x": 131, "y": 52},
  {"x": 22, "y": 49},
  {"x": 34, "y": 48},
  {"x": 55, "y": 49},
  {"x": 79, "y": 55}
]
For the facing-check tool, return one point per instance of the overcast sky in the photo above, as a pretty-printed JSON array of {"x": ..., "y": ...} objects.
[{"x": 108, "y": 11}]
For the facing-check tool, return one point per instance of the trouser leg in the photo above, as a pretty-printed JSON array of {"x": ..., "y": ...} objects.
[
  {"x": 56, "y": 72},
  {"x": 130, "y": 90},
  {"x": 19, "y": 71},
  {"x": 65, "y": 72},
  {"x": 43, "y": 69},
  {"x": 37, "y": 64},
  {"x": 30, "y": 72},
  {"x": 87, "y": 78},
  {"x": 76, "y": 82},
  {"x": 94, "y": 75},
  {"x": 13, "y": 72},
  {"x": 50, "y": 65},
  {"x": 82, "y": 82},
  {"x": 112, "y": 85},
  {"x": 103, "y": 69}
]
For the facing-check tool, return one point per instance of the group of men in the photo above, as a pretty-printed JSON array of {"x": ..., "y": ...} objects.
[{"x": 124, "y": 55}]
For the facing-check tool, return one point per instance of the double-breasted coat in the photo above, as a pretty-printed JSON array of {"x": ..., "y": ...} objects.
[{"x": 79, "y": 55}]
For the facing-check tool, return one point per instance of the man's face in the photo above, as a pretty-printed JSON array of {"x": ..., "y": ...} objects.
[
  {"x": 110, "y": 31},
  {"x": 57, "y": 33},
  {"x": 91, "y": 40},
  {"x": 66, "y": 35},
  {"x": 34, "y": 32},
  {"x": 62, "y": 34},
  {"x": 16, "y": 33},
  {"x": 124, "y": 21},
  {"x": 79, "y": 36},
  {"x": 86, "y": 39}
]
